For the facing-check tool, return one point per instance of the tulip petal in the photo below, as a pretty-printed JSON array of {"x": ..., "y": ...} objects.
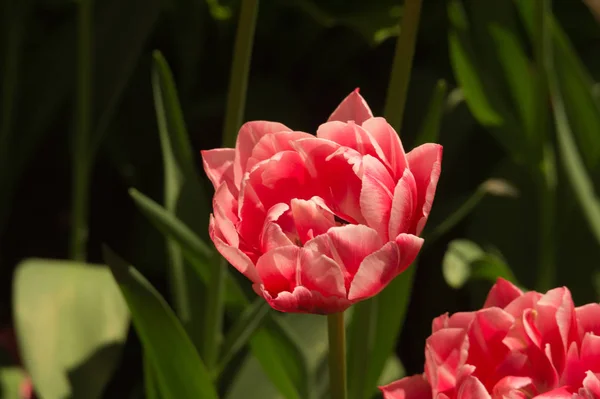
[
  {"x": 588, "y": 319},
  {"x": 252, "y": 214},
  {"x": 502, "y": 293},
  {"x": 513, "y": 387},
  {"x": 218, "y": 165},
  {"x": 278, "y": 269},
  {"x": 352, "y": 108},
  {"x": 310, "y": 219},
  {"x": 403, "y": 205},
  {"x": 321, "y": 273},
  {"x": 413, "y": 387},
  {"x": 376, "y": 195},
  {"x": 446, "y": 351},
  {"x": 389, "y": 142},
  {"x": 235, "y": 256},
  {"x": 350, "y": 244},
  {"x": 333, "y": 174},
  {"x": 425, "y": 163},
  {"x": 303, "y": 300},
  {"x": 249, "y": 135},
  {"x": 409, "y": 246},
  {"x": 472, "y": 388},
  {"x": 591, "y": 383},
  {"x": 271, "y": 144},
  {"x": 352, "y": 136},
  {"x": 375, "y": 272},
  {"x": 272, "y": 235}
]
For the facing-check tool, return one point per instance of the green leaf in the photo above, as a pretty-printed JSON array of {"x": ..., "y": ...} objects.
[
  {"x": 239, "y": 335},
  {"x": 430, "y": 128},
  {"x": 71, "y": 322},
  {"x": 180, "y": 372},
  {"x": 150, "y": 385},
  {"x": 465, "y": 260},
  {"x": 179, "y": 173}
]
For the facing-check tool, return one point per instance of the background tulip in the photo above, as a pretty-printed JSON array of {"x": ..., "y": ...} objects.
[{"x": 520, "y": 345}]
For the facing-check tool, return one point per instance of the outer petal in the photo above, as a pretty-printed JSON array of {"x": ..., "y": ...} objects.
[
  {"x": 375, "y": 272},
  {"x": 376, "y": 195},
  {"x": 271, "y": 144},
  {"x": 249, "y": 135},
  {"x": 502, "y": 293},
  {"x": 446, "y": 352},
  {"x": 310, "y": 219},
  {"x": 235, "y": 256},
  {"x": 389, "y": 142},
  {"x": 472, "y": 388},
  {"x": 414, "y": 387},
  {"x": 588, "y": 319},
  {"x": 349, "y": 245},
  {"x": 425, "y": 163},
  {"x": 322, "y": 274},
  {"x": 225, "y": 219},
  {"x": 352, "y": 108},
  {"x": 403, "y": 205},
  {"x": 218, "y": 165},
  {"x": 457, "y": 320},
  {"x": 303, "y": 300},
  {"x": 279, "y": 269}
]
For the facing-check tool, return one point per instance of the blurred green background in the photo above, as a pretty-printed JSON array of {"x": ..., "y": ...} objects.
[{"x": 510, "y": 200}]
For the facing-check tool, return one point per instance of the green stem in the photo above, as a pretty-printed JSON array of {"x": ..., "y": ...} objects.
[
  {"x": 402, "y": 66},
  {"x": 337, "y": 355},
  {"x": 80, "y": 152},
  {"x": 545, "y": 173},
  {"x": 236, "y": 103},
  {"x": 238, "y": 81}
]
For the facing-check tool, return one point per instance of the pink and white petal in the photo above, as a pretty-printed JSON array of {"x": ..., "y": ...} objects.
[
  {"x": 591, "y": 383},
  {"x": 352, "y": 108},
  {"x": 272, "y": 234},
  {"x": 321, "y": 273},
  {"x": 252, "y": 215},
  {"x": 279, "y": 269},
  {"x": 558, "y": 393},
  {"x": 513, "y": 387},
  {"x": 376, "y": 195},
  {"x": 352, "y": 136},
  {"x": 225, "y": 219},
  {"x": 303, "y": 300},
  {"x": 249, "y": 135},
  {"x": 409, "y": 246},
  {"x": 472, "y": 388},
  {"x": 218, "y": 165},
  {"x": 457, "y": 320},
  {"x": 310, "y": 219},
  {"x": 413, "y": 387},
  {"x": 389, "y": 142},
  {"x": 350, "y": 244},
  {"x": 235, "y": 256},
  {"x": 425, "y": 163},
  {"x": 375, "y": 272},
  {"x": 588, "y": 319},
  {"x": 502, "y": 293},
  {"x": 271, "y": 144},
  {"x": 446, "y": 352},
  {"x": 590, "y": 352},
  {"x": 404, "y": 205}
]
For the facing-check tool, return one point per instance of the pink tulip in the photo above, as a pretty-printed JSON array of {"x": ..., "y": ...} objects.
[
  {"x": 520, "y": 345},
  {"x": 318, "y": 223}
]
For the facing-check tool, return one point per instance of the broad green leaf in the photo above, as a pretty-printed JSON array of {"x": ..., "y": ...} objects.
[
  {"x": 241, "y": 332},
  {"x": 71, "y": 322},
  {"x": 179, "y": 172},
  {"x": 478, "y": 88},
  {"x": 430, "y": 128},
  {"x": 150, "y": 387},
  {"x": 11, "y": 382},
  {"x": 457, "y": 261},
  {"x": 179, "y": 370}
]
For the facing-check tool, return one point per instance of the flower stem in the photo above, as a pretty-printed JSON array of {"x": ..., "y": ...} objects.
[
  {"x": 337, "y": 355},
  {"x": 81, "y": 149},
  {"x": 402, "y": 66}
]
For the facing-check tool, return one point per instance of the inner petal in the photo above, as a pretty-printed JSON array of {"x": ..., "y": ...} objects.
[{"x": 310, "y": 219}]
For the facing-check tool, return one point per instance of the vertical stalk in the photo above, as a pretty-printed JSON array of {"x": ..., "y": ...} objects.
[
  {"x": 236, "y": 104},
  {"x": 337, "y": 355},
  {"x": 402, "y": 66},
  {"x": 546, "y": 170},
  {"x": 81, "y": 157}
]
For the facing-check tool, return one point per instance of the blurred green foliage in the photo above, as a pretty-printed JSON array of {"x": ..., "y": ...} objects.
[{"x": 510, "y": 92}]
